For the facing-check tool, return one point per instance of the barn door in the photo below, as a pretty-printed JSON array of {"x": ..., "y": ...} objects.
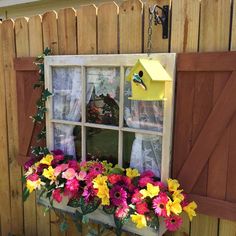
[
  {"x": 26, "y": 76},
  {"x": 204, "y": 155}
]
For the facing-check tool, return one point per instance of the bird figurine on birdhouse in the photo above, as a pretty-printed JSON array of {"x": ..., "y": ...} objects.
[{"x": 148, "y": 78}]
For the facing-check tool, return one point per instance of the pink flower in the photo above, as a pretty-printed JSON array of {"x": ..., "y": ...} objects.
[
  {"x": 89, "y": 193},
  {"x": 33, "y": 177},
  {"x": 73, "y": 164},
  {"x": 145, "y": 178},
  {"x": 56, "y": 195},
  {"x": 60, "y": 169},
  {"x": 142, "y": 208},
  {"x": 137, "y": 197},
  {"x": 114, "y": 178},
  {"x": 118, "y": 196},
  {"x": 82, "y": 175},
  {"x": 58, "y": 157},
  {"x": 72, "y": 185},
  {"x": 173, "y": 223},
  {"x": 69, "y": 174},
  {"x": 159, "y": 204},
  {"x": 122, "y": 211},
  {"x": 96, "y": 168}
]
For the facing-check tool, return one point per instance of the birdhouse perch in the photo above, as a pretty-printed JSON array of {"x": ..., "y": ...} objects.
[{"x": 148, "y": 78}]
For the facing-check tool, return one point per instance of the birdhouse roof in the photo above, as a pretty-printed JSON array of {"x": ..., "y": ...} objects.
[{"x": 153, "y": 68}]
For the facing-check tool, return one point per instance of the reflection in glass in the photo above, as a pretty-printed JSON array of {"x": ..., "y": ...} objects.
[
  {"x": 67, "y": 93},
  {"x": 142, "y": 114},
  {"x": 68, "y": 139},
  {"x": 102, "y": 144},
  {"x": 103, "y": 95}
]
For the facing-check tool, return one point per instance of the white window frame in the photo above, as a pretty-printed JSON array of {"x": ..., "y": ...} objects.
[{"x": 122, "y": 61}]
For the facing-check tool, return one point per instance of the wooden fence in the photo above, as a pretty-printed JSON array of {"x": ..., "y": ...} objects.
[{"x": 209, "y": 25}]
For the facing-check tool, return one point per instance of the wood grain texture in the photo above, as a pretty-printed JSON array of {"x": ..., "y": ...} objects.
[
  {"x": 108, "y": 28},
  {"x": 87, "y": 29},
  {"x": 215, "y": 25},
  {"x": 9, "y": 52},
  {"x": 67, "y": 31},
  {"x": 5, "y": 203},
  {"x": 130, "y": 30},
  {"x": 227, "y": 228},
  {"x": 185, "y": 25},
  {"x": 233, "y": 29},
  {"x": 50, "y": 35},
  {"x": 158, "y": 43}
]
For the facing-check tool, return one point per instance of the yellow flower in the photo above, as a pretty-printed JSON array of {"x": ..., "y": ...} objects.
[
  {"x": 174, "y": 207},
  {"x": 32, "y": 185},
  {"x": 178, "y": 195},
  {"x": 190, "y": 209},
  {"x": 100, "y": 181},
  {"x": 49, "y": 173},
  {"x": 139, "y": 220},
  {"x": 173, "y": 185},
  {"x": 151, "y": 191},
  {"x": 131, "y": 173},
  {"x": 103, "y": 194},
  {"x": 47, "y": 160}
]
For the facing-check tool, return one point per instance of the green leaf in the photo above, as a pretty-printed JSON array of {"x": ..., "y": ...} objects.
[
  {"x": 119, "y": 224},
  {"x": 74, "y": 203},
  {"x": 47, "y": 51},
  {"x": 46, "y": 93},
  {"x": 87, "y": 208},
  {"x": 23, "y": 179},
  {"x": 85, "y": 219},
  {"x": 26, "y": 194},
  {"x": 116, "y": 171},
  {"x": 64, "y": 226},
  {"x": 109, "y": 209}
]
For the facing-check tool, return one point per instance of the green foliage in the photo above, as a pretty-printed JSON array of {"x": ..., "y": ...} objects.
[
  {"x": 26, "y": 194},
  {"x": 64, "y": 226}
]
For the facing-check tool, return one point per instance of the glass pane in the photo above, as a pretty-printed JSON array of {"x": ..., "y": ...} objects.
[
  {"x": 103, "y": 95},
  {"x": 68, "y": 139},
  {"x": 142, "y": 114},
  {"x": 67, "y": 93},
  {"x": 143, "y": 152},
  {"x": 102, "y": 144}
]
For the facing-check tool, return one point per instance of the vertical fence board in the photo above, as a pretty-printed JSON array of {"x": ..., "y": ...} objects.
[
  {"x": 108, "y": 28},
  {"x": 227, "y": 228},
  {"x": 87, "y": 29},
  {"x": 23, "y": 50},
  {"x": 12, "y": 125},
  {"x": 50, "y": 35},
  {"x": 55, "y": 225},
  {"x": 184, "y": 25},
  {"x": 5, "y": 203},
  {"x": 158, "y": 43},
  {"x": 215, "y": 25},
  {"x": 67, "y": 31},
  {"x": 233, "y": 28},
  {"x": 130, "y": 31}
]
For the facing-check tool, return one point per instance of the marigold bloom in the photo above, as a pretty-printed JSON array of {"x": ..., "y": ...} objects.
[
  {"x": 151, "y": 191},
  {"x": 190, "y": 209},
  {"x": 173, "y": 185},
  {"x": 139, "y": 220},
  {"x": 173, "y": 223},
  {"x": 132, "y": 173},
  {"x": 49, "y": 173},
  {"x": 47, "y": 160}
]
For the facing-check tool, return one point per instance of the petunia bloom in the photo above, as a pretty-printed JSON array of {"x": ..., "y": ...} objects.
[
  {"x": 173, "y": 223},
  {"x": 72, "y": 185}
]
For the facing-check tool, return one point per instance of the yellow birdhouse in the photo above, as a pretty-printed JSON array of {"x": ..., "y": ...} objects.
[{"x": 148, "y": 79}]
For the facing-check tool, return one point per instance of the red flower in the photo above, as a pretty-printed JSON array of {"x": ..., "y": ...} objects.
[
  {"x": 173, "y": 223},
  {"x": 137, "y": 197},
  {"x": 56, "y": 195},
  {"x": 142, "y": 208},
  {"x": 114, "y": 178}
]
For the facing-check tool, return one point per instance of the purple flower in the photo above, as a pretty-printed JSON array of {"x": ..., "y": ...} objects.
[
  {"x": 57, "y": 152},
  {"x": 28, "y": 164},
  {"x": 118, "y": 196}
]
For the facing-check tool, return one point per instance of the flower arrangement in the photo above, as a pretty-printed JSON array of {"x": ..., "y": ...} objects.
[{"x": 124, "y": 193}]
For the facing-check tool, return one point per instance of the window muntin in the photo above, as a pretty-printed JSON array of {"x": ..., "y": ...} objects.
[{"x": 78, "y": 71}]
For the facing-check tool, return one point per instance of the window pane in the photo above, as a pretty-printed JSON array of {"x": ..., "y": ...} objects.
[
  {"x": 142, "y": 114},
  {"x": 102, "y": 144},
  {"x": 143, "y": 152},
  {"x": 67, "y": 91},
  {"x": 68, "y": 139},
  {"x": 103, "y": 95}
]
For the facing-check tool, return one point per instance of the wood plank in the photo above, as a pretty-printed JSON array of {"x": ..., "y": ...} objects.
[
  {"x": 130, "y": 21},
  {"x": 233, "y": 29},
  {"x": 5, "y": 200},
  {"x": 204, "y": 226},
  {"x": 158, "y": 43},
  {"x": 35, "y": 35},
  {"x": 87, "y": 29},
  {"x": 227, "y": 228},
  {"x": 185, "y": 25},
  {"x": 214, "y": 25},
  {"x": 214, "y": 126},
  {"x": 55, "y": 225},
  {"x": 209, "y": 61},
  {"x": 67, "y": 31},
  {"x": 212, "y": 206},
  {"x": 25, "y": 64},
  {"x": 50, "y": 35},
  {"x": 9, "y": 52},
  {"x": 108, "y": 28},
  {"x": 43, "y": 222}
]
